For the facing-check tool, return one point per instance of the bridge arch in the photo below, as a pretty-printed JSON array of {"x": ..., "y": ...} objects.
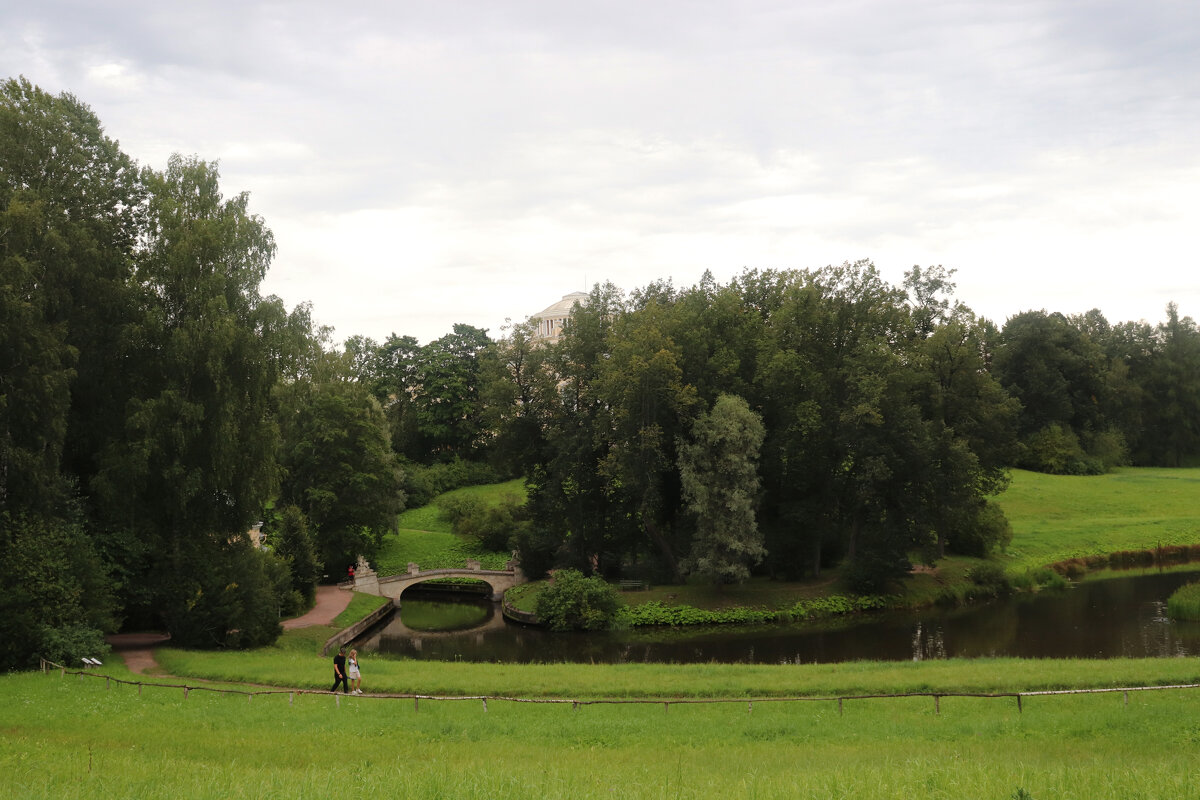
[{"x": 499, "y": 581}]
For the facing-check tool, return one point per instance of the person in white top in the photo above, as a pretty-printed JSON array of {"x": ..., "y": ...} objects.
[{"x": 352, "y": 672}]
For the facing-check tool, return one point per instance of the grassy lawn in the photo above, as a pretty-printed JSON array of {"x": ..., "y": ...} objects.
[
  {"x": 425, "y": 538},
  {"x": 1056, "y": 517},
  {"x": 66, "y": 737}
]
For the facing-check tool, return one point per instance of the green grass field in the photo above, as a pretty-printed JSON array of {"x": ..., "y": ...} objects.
[
  {"x": 1056, "y": 517},
  {"x": 72, "y": 737},
  {"x": 67, "y": 737}
]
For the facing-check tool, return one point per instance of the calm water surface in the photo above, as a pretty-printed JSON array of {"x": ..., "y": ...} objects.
[{"x": 1104, "y": 619}]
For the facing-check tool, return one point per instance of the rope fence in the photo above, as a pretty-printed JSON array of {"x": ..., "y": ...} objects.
[{"x": 49, "y": 666}]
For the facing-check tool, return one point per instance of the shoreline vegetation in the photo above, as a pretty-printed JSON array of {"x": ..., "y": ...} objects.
[{"x": 1065, "y": 528}]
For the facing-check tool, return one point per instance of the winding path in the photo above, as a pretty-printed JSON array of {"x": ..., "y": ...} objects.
[{"x": 137, "y": 649}]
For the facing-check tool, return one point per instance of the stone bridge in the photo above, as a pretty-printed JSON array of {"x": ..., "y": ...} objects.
[{"x": 500, "y": 580}]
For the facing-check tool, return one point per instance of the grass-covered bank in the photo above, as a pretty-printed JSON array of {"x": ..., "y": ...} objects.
[
  {"x": 73, "y": 738},
  {"x": 1059, "y": 517},
  {"x": 295, "y": 664}
]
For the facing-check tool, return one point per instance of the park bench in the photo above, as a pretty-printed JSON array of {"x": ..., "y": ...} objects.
[{"x": 634, "y": 586}]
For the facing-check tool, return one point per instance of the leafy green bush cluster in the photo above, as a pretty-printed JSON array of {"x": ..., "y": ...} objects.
[
  {"x": 836, "y": 605},
  {"x": 1058, "y": 450},
  {"x": 656, "y": 613},
  {"x": 1184, "y": 602},
  {"x": 423, "y": 483},
  {"x": 574, "y": 602},
  {"x": 1037, "y": 579},
  {"x": 988, "y": 579},
  {"x": 493, "y": 525}
]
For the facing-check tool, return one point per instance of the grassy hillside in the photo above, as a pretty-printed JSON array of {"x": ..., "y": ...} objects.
[
  {"x": 425, "y": 538},
  {"x": 1055, "y": 517}
]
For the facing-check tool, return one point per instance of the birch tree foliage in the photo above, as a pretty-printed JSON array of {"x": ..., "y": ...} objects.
[{"x": 719, "y": 473}]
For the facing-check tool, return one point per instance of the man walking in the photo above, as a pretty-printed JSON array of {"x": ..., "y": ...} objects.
[{"x": 339, "y": 672}]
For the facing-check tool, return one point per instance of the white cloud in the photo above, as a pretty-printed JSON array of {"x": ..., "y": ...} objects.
[{"x": 426, "y": 164}]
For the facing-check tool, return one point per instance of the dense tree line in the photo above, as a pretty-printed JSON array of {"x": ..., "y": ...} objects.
[
  {"x": 889, "y": 416},
  {"x": 153, "y": 405}
]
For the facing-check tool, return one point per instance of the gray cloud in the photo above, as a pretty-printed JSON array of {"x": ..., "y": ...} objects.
[{"x": 426, "y": 163}]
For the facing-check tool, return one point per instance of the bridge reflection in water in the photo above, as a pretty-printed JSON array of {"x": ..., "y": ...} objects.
[{"x": 423, "y": 619}]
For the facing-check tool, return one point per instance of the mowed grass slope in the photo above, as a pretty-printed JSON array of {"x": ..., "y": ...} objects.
[
  {"x": 425, "y": 538},
  {"x": 1056, "y": 517},
  {"x": 65, "y": 737}
]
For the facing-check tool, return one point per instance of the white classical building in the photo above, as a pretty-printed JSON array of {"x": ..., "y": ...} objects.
[{"x": 553, "y": 318}]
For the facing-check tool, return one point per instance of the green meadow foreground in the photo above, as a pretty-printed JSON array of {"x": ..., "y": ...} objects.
[{"x": 73, "y": 737}]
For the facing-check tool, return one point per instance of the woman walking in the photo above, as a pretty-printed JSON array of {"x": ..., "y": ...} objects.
[{"x": 355, "y": 675}]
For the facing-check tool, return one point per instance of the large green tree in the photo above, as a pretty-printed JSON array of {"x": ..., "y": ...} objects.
[
  {"x": 338, "y": 465},
  {"x": 196, "y": 458}
]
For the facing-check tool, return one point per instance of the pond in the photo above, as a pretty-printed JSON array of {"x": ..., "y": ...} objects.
[{"x": 1118, "y": 617}]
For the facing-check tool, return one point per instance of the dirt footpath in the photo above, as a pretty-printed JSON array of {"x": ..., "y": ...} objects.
[
  {"x": 331, "y": 601},
  {"x": 137, "y": 649}
]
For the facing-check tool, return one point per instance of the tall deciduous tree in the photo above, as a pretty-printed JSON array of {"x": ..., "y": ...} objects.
[
  {"x": 719, "y": 472},
  {"x": 195, "y": 462},
  {"x": 339, "y": 468},
  {"x": 446, "y": 396}
]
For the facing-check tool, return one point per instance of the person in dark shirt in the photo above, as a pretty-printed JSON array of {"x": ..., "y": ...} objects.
[{"x": 339, "y": 672}]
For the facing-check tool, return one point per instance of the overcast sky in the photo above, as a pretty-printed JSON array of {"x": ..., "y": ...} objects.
[{"x": 426, "y": 163}]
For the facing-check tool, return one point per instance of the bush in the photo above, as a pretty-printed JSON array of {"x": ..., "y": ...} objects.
[
  {"x": 575, "y": 602},
  {"x": 1184, "y": 602},
  {"x": 69, "y": 644},
  {"x": 989, "y": 579},
  {"x": 55, "y": 597},
  {"x": 1056, "y": 450},
  {"x": 987, "y": 531},
  {"x": 494, "y": 527},
  {"x": 1041, "y": 578},
  {"x": 423, "y": 483}
]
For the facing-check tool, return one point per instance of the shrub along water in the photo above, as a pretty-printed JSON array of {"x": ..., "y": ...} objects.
[{"x": 1184, "y": 602}]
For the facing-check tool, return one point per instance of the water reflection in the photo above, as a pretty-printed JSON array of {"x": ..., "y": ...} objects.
[{"x": 1104, "y": 619}]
